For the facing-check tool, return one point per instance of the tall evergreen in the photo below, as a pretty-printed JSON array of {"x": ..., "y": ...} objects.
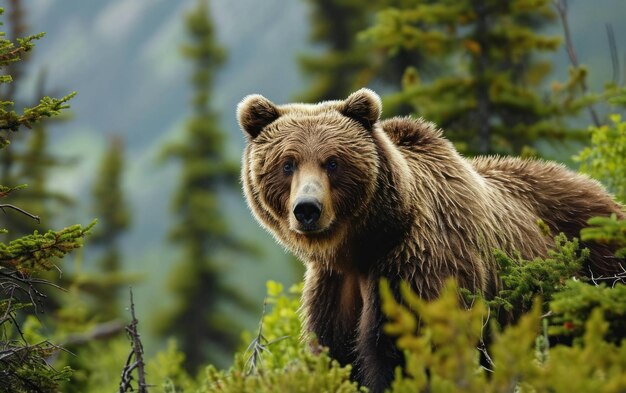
[
  {"x": 491, "y": 102},
  {"x": 24, "y": 363},
  {"x": 113, "y": 213},
  {"x": 27, "y": 160},
  {"x": 200, "y": 321}
]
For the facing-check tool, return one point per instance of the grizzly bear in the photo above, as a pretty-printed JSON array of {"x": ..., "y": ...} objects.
[{"x": 358, "y": 199}]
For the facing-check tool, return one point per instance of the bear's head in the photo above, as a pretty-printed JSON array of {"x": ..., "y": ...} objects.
[{"x": 310, "y": 170}]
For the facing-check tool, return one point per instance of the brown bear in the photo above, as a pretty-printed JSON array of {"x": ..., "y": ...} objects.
[{"x": 358, "y": 199}]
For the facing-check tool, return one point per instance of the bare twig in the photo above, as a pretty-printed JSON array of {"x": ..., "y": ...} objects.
[
  {"x": 135, "y": 353},
  {"x": 259, "y": 345},
  {"x": 482, "y": 347},
  {"x": 561, "y": 8},
  {"x": 7, "y": 206},
  {"x": 614, "y": 279}
]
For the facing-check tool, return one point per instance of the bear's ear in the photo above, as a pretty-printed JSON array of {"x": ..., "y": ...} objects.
[
  {"x": 255, "y": 112},
  {"x": 363, "y": 106}
]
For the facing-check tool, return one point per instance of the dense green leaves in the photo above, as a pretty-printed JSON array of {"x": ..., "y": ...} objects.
[
  {"x": 522, "y": 280},
  {"x": 605, "y": 158},
  {"x": 485, "y": 88},
  {"x": 607, "y": 230}
]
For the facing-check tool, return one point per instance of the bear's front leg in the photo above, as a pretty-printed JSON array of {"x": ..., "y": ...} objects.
[
  {"x": 332, "y": 304},
  {"x": 377, "y": 355}
]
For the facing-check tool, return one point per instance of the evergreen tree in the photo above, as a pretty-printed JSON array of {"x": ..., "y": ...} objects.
[
  {"x": 344, "y": 66},
  {"x": 199, "y": 320},
  {"x": 27, "y": 160},
  {"x": 114, "y": 218},
  {"x": 492, "y": 101},
  {"x": 23, "y": 364}
]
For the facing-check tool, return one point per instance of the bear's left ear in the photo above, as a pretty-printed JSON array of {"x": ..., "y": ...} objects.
[
  {"x": 363, "y": 106},
  {"x": 255, "y": 112}
]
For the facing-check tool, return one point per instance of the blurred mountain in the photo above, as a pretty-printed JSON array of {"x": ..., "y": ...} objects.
[{"x": 122, "y": 56}]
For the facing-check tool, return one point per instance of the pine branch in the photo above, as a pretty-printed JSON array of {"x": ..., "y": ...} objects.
[
  {"x": 36, "y": 251},
  {"x": 47, "y": 107}
]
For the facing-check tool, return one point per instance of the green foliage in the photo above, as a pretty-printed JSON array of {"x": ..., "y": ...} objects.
[
  {"x": 343, "y": 62},
  {"x": 24, "y": 368},
  {"x": 450, "y": 346},
  {"x": 445, "y": 344},
  {"x": 279, "y": 359},
  {"x": 574, "y": 305},
  {"x": 24, "y": 365},
  {"x": 605, "y": 159},
  {"x": 441, "y": 355},
  {"x": 343, "y": 66},
  {"x": 281, "y": 328},
  {"x": 11, "y": 52},
  {"x": 24, "y": 352},
  {"x": 97, "y": 365},
  {"x": 27, "y": 162},
  {"x": 484, "y": 87},
  {"x": 287, "y": 364},
  {"x": 166, "y": 369},
  {"x": 607, "y": 230},
  {"x": 34, "y": 253},
  {"x": 47, "y": 107},
  {"x": 522, "y": 280}
]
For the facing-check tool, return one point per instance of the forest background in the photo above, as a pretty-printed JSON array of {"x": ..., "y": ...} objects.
[{"x": 124, "y": 59}]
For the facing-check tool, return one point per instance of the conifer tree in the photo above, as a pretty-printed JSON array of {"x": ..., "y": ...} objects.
[
  {"x": 110, "y": 206},
  {"x": 199, "y": 320},
  {"x": 492, "y": 101},
  {"x": 344, "y": 66},
  {"x": 27, "y": 160},
  {"x": 23, "y": 364}
]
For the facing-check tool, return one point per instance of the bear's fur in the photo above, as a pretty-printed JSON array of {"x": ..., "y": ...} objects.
[{"x": 358, "y": 199}]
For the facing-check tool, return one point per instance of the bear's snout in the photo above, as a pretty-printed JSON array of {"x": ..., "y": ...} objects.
[{"x": 307, "y": 211}]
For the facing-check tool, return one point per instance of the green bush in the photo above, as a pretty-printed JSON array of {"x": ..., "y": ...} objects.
[
  {"x": 605, "y": 159},
  {"x": 441, "y": 355},
  {"x": 279, "y": 358}
]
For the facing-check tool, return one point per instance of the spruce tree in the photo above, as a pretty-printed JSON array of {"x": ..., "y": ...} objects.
[
  {"x": 199, "y": 320},
  {"x": 110, "y": 206},
  {"x": 491, "y": 101},
  {"x": 24, "y": 364},
  {"x": 28, "y": 160}
]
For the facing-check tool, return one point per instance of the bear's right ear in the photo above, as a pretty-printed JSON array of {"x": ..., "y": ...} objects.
[{"x": 255, "y": 112}]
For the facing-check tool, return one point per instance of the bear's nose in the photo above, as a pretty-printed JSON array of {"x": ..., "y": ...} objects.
[{"x": 307, "y": 211}]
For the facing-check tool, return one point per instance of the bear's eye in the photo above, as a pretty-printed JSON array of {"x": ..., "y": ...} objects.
[
  {"x": 331, "y": 165},
  {"x": 288, "y": 167}
]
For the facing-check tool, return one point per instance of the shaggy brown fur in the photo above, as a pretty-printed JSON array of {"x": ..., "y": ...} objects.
[{"x": 394, "y": 199}]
